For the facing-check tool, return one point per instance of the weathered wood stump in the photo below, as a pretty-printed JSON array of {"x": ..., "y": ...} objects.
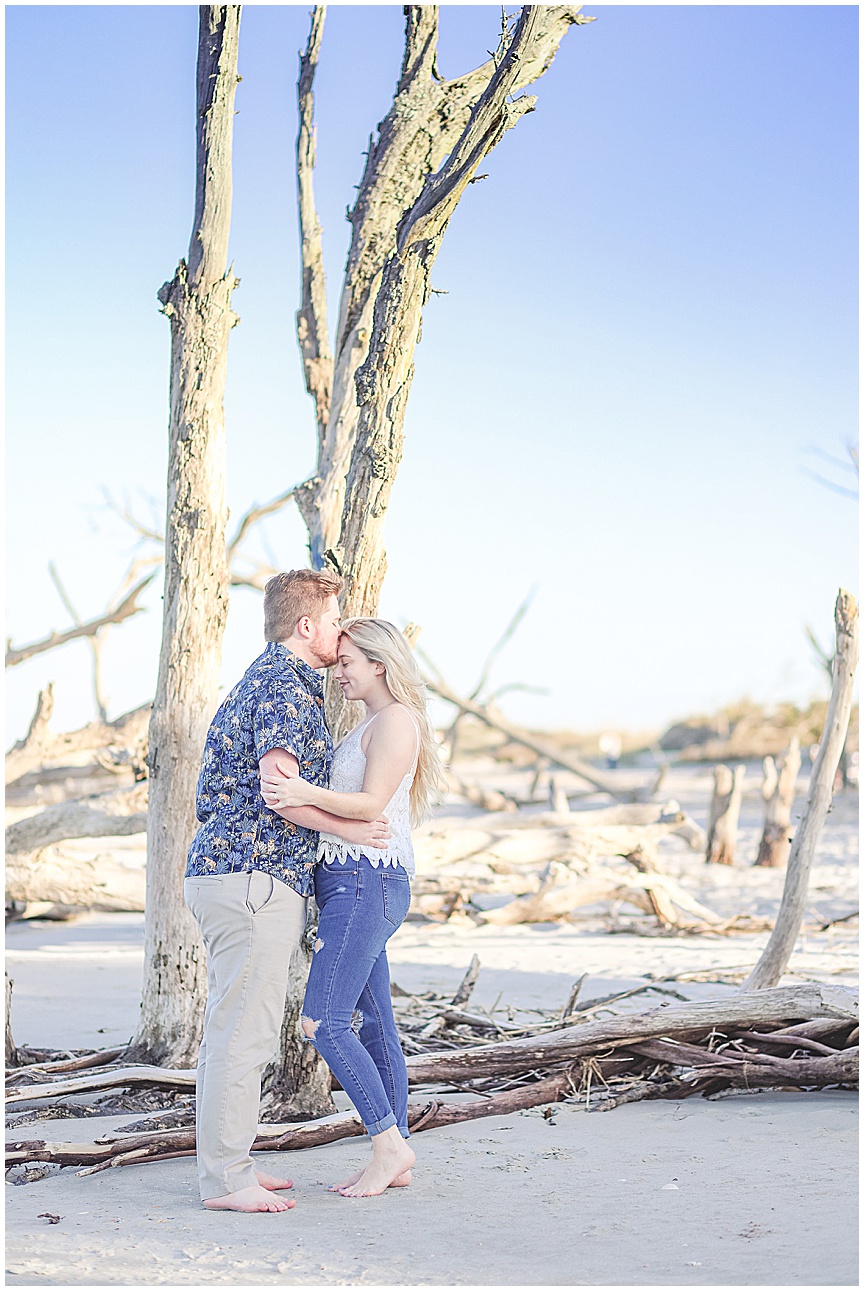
[
  {"x": 723, "y": 817},
  {"x": 779, "y": 791}
]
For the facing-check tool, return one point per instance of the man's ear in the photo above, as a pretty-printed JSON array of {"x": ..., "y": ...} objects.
[{"x": 304, "y": 627}]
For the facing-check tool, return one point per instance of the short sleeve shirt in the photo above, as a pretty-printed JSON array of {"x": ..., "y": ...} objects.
[{"x": 278, "y": 704}]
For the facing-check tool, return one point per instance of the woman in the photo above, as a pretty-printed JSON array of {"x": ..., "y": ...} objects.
[{"x": 388, "y": 764}]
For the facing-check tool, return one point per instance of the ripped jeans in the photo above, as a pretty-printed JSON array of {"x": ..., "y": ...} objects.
[{"x": 348, "y": 993}]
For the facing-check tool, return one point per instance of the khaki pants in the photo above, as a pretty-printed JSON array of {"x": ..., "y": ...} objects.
[{"x": 250, "y": 924}]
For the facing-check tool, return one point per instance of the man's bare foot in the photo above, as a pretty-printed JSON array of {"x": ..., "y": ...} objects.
[
  {"x": 248, "y": 1199},
  {"x": 401, "y": 1181},
  {"x": 390, "y": 1159},
  {"x": 271, "y": 1183}
]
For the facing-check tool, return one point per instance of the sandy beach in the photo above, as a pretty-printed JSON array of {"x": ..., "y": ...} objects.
[{"x": 757, "y": 1189}]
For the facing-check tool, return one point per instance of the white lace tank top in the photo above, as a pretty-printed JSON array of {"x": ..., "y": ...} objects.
[{"x": 346, "y": 776}]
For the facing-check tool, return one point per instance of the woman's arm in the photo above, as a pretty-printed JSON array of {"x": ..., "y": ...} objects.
[
  {"x": 392, "y": 743},
  {"x": 279, "y": 763}
]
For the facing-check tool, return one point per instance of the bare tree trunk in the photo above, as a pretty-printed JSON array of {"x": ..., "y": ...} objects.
[
  {"x": 198, "y": 304},
  {"x": 430, "y": 119},
  {"x": 777, "y": 953},
  {"x": 11, "y": 1047},
  {"x": 723, "y": 816},
  {"x": 777, "y": 834},
  {"x": 296, "y": 1085}
]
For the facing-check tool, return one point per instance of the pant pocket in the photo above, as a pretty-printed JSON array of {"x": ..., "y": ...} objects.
[
  {"x": 259, "y": 891},
  {"x": 397, "y": 894}
]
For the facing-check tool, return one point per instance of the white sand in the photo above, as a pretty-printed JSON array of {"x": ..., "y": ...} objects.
[{"x": 764, "y": 1184}]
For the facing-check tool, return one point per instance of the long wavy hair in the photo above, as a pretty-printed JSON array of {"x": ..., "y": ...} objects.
[{"x": 383, "y": 643}]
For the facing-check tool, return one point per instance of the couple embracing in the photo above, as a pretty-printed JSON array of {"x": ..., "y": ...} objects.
[{"x": 284, "y": 817}]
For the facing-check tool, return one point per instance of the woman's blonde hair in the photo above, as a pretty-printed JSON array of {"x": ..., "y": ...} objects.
[{"x": 383, "y": 643}]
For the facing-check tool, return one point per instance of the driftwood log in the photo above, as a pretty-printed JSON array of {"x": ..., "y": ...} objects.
[
  {"x": 105, "y": 815},
  {"x": 751, "y": 1010},
  {"x": 777, "y": 953},
  {"x": 778, "y": 791},
  {"x": 42, "y": 746},
  {"x": 743, "y": 1041},
  {"x": 723, "y": 816},
  {"x": 82, "y": 882},
  {"x": 159, "y": 1144}
]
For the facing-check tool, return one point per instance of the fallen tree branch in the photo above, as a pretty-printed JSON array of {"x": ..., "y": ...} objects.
[
  {"x": 40, "y": 745},
  {"x": 569, "y": 762},
  {"x": 138, "y": 1149},
  {"x": 778, "y": 1006},
  {"x": 763, "y": 1072},
  {"x": 104, "y": 815},
  {"x": 163, "y": 1078},
  {"x": 84, "y": 882}
]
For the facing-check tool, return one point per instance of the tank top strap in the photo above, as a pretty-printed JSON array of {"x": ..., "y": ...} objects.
[{"x": 365, "y": 726}]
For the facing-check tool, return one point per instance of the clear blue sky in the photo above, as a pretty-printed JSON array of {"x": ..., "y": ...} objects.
[{"x": 651, "y": 322}]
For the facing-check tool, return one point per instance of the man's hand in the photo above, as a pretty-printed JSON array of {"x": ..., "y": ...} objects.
[
  {"x": 285, "y": 791},
  {"x": 366, "y": 833}
]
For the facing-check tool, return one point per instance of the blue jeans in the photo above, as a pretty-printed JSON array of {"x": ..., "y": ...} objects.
[{"x": 348, "y": 992}]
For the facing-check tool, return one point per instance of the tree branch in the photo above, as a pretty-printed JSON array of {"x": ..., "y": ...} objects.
[
  {"x": 95, "y": 642},
  {"x": 125, "y": 610},
  {"x": 491, "y": 116},
  {"x": 421, "y": 44},
  {"x": 776, "y": 955},
  {"x": 312, "y": 315},
  {"x": 253, "y": 515}
]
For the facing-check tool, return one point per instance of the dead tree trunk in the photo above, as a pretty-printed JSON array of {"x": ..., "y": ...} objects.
[
  {"x": 398, "y": 220},
  {"x": 296, "y": 1085},
  {"x": 11, "y": 1047},
  {"x": 723, "y": 816},
  {"x": 777, "y": 953},
  {"x": 198, "y": 303},
  {"x": 777, "y": 834}
]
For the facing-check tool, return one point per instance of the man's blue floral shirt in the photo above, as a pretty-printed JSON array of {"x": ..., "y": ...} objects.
[{"x": 278, "y": 704}]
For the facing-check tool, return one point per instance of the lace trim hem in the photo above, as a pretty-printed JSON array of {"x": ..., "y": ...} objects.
[{"x": 328, "y": 853}]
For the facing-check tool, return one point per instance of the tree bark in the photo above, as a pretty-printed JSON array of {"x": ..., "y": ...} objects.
[
  {"x": 776, "y": 955},
  {"x": 198, "y": 303},
  {"x": 777, "y": 833},
  {"x": 428, "y": 120},
  {"x": 296, "y": 1085},
  {"x": 723, "y": 816}
]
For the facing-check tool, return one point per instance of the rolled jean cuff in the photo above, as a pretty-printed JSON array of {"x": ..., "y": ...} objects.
[{"x": 378, "y": 1127}]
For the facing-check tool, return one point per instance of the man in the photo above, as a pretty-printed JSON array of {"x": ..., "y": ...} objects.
[{"x": 249, "y": 873}]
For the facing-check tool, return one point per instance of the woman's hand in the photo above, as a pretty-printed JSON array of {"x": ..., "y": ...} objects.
[
  {"x": 287, "y": 791},
  {"x": 366, "y": 833}
]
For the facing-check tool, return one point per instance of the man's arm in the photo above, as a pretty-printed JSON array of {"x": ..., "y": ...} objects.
[{"x": 373, "y": 833}]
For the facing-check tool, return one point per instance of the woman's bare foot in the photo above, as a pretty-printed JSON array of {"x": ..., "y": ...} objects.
[
  {"x": 391, "y": 1157},
  {"x": 271, "y": 1183},
  {"x": 248, "y": 1199},
  {"x": 401, "y": 1181}
]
